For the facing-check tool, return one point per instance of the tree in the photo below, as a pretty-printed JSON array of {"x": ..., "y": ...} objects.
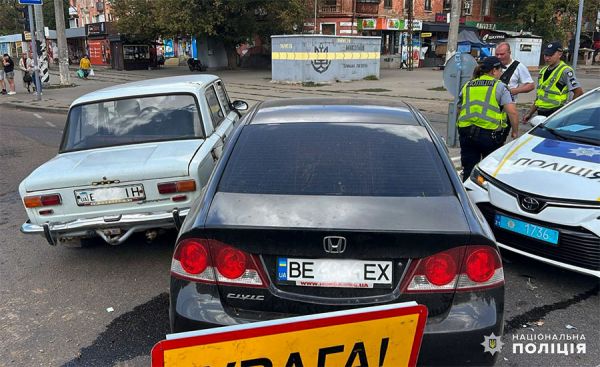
[
  {"x": 551, "y": 19},
  {"x": 48, "y": 10},
  {"x": 233, "y": 21},
  {"x": 10, "y": 18},
  {"x": 136, "y": 18}
]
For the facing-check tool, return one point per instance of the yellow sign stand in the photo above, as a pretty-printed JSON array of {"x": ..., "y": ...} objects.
[{"x": 385, "y": 336}]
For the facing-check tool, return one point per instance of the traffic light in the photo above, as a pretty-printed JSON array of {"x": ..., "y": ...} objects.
[{"x": 25, "y": 18}]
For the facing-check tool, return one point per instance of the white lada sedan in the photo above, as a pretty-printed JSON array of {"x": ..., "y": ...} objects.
[
  {"x": 541, "y": 193},
  {"x": 133, "y": 157}
]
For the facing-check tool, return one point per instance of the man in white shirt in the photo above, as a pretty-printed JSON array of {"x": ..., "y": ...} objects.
[{"x": 517, "y": 76}]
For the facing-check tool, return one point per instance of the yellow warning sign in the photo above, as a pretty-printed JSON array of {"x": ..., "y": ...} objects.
[{"x": 388, "y": 336}]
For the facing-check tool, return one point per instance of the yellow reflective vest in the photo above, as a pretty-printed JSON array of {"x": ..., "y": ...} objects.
[
  {"x": 549, "y": 96},
  {"x": 479, "y": 105}
]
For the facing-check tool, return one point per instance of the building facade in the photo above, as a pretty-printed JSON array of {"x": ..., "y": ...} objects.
[
  {"x": 389, "y": 19},
  {"x": 83, "y": 12}
]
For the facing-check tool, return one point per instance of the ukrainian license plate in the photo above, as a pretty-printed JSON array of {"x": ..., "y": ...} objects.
[
  {"x": 334, "y": 273},
  {"x": 110, "y": 195},
  {"x": 527, "y": 229}
]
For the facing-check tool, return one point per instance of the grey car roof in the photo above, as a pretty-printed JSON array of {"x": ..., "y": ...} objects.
[
  {"x": 340, "y": 110},
  {"x": 173, "y": 84}
]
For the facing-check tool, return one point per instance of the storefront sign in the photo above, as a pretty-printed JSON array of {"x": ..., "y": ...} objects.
[
  {"x": 426, "y": 34},
  {"x": 26, "y": 36},
  {"x": 493, "y": 37},
  {"x": 169, "y": 51},
  {"x": 368, "y": 24},
  {"x": 482, "y": 25},
  {"x": 385, "y": 336},
  {"x": 95, "y": 29},
  {"x": 417, "y": 25},
  {"x": 393, "y": 24}
]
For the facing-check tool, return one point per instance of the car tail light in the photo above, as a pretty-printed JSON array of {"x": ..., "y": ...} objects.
[
  {"x": 461, "y": 268},
  {"x": 176, "y": 186},
  {"x": 212, "y": 261},
  {"x": 42, "y": 200}
]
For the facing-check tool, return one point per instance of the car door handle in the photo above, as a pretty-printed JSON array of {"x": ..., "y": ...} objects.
[
  {"x": 224, "y": 137},
  {"x": 214, "y": 155}
]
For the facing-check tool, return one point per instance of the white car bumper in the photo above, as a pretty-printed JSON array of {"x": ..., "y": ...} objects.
[
  {"x": 130, "y": 223},
  {"x": 570, "y": 221}
]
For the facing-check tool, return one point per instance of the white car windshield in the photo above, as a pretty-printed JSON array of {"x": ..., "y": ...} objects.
[
  {"x": 132, "y": 121},
  {"x": 580, "y": 120}
]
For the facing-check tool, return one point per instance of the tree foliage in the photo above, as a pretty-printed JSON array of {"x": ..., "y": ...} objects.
[
  {"x": 551, "y": 19},
  {"x": 11, "y": 18}
]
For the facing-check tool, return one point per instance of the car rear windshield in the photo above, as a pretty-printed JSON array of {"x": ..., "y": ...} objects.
[
  {"x": 132, "y": 120},
  {"x": 335, "y": 159}
]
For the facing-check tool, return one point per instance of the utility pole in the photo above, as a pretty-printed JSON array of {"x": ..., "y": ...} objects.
[
  {"x": 36, "y": 69},
  {"x": 41, "y": 38},
  {"x": 315, "y": 31},
  {"x": 61, "y": 39},
  {"x": 453, "y": 31},
  {"x": 577, "y": 34},
  {"x": 409, "y": 41}
]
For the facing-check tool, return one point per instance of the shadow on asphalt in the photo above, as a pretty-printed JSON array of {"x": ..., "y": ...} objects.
[{"x": 130, "y": 335}]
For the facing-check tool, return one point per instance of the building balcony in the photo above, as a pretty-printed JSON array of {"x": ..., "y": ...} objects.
[{"x": 330, "y": 9}]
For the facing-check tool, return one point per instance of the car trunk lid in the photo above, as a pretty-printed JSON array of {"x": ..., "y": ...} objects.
[
  {"x": 123, "y": 164},
  {"x": 378, "y": 231}
]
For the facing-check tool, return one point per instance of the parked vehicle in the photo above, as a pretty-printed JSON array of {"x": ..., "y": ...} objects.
[
  {"x": 195, "y": 65},
  {"x": 133, "y": 157},
  {"x": 331, "y": 204},
  {"x": 541, "y": 193}
]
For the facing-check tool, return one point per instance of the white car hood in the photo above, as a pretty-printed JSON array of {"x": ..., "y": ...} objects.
[
  {"x": 547, "y": 167},
  {"x": 123, "y": 163}
]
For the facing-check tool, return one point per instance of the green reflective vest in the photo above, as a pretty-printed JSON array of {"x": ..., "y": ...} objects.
[
  {"x": 479, "y": 105},
  {"x": 549, "y": 96}
]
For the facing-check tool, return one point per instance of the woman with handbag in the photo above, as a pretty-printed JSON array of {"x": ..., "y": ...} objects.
[{"x": 26, "y": 66}]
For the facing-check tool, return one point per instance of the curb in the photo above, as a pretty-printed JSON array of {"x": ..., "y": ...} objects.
[{"x": 21, "y": 106}]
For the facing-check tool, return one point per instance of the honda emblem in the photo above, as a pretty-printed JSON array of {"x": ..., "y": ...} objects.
[{"x": 334, "y": 244}]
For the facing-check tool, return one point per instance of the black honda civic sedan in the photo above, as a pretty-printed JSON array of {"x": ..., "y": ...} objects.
[{"x": 321, "y": 205}]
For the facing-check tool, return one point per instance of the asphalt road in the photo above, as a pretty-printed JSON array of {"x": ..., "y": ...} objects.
[{"x": 55, "y": 302}]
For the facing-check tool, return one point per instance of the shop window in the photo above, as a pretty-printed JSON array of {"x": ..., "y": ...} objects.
[
  {"x": 427, "y": 5},
  {"x": 328, "y": 28}
]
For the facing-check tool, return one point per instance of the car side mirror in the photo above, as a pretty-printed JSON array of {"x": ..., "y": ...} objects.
[
  {"x": 535, "y": 121},
  {"x": 239, "y": 105}
]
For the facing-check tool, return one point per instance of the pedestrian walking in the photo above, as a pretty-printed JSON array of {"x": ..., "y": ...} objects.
[
  {"x": 84, "y": 67},
  {"x": 2, "y": 84},
  {"x": 55, "y": 53},
  {"x": 485, "y": 105},
  {"x": 515, "y": 75},
  {"x": 556, "y": 81},
  {"x": 26, "y": 66},
  {"x": 9, "y": 74}
]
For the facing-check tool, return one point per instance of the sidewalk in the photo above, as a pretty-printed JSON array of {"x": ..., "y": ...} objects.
[{"x": 420, "y": 87}]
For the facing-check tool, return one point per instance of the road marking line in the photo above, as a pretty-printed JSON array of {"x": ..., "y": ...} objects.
[
  {"x": 37, "y": 115},
  {"x": 50, "y": 124}
]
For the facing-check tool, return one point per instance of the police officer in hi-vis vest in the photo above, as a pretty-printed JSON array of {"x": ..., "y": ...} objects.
[
  {"x": 555, "y": 82},
  {"x": 485, "y": 104}
]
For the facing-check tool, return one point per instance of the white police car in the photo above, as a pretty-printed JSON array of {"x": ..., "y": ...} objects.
[{"x": 541, "y": 193}]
